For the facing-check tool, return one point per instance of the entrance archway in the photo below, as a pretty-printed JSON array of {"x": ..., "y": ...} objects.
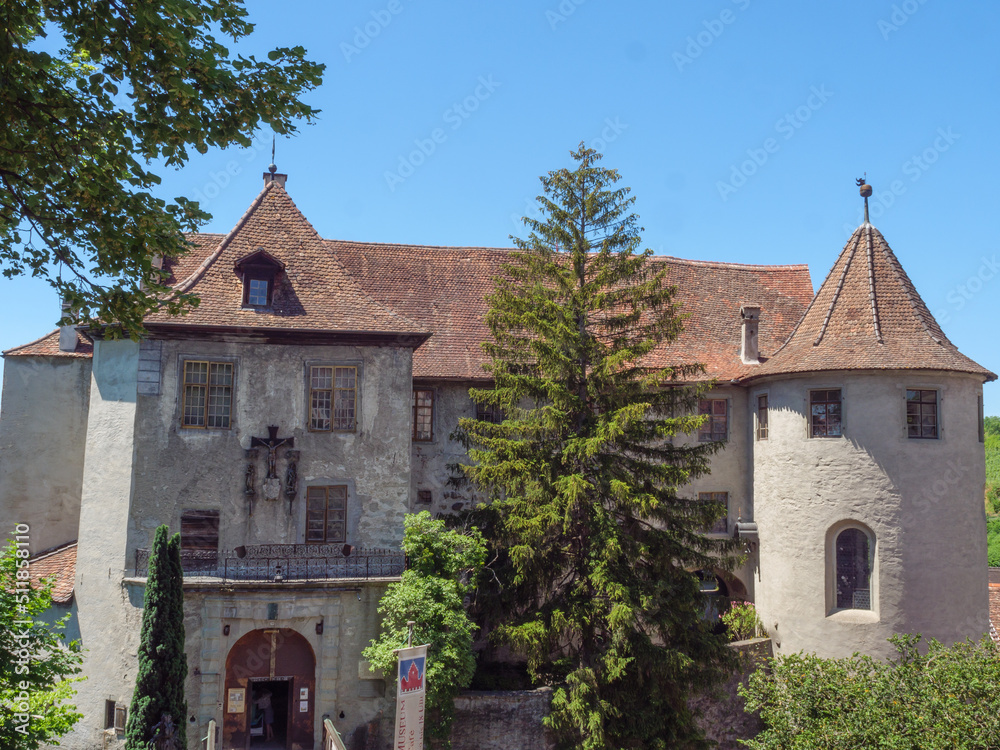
[{"x": 273, "y": 668}]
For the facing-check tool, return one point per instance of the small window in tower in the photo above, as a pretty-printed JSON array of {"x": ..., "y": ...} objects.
[
  {"x": 762, "y": 417},
  {"x": 423, "y": 415},
  {"x": 715, "y": 428},
  {"x": 825, "y": 413},
  {"x": 489, "y": 413},
  {"x": 853, "y": 582},
  {"x": 257, "y": 292},
  {"x": 922, "y": 414}
]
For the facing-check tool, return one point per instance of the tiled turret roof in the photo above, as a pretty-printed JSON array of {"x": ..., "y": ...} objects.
[{"x": 867, "y": 315}]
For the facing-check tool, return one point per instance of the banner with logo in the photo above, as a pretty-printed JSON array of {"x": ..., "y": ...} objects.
[{"x": 411, "y": 685}]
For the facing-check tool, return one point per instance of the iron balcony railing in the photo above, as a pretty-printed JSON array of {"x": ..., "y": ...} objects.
[{"x": 285, "y": 562}]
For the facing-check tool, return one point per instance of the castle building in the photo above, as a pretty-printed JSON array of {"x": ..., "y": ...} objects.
[{"x": 287, "y": 424}]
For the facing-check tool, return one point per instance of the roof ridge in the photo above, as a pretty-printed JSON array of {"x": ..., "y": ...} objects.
[
  {"x": 871, "y": 282},
  {"x": 46, "y": 553},
  {"x": 840, "y": 287},
  {"x": 40, "y": 339},
  {"x": 199, "y": 272},
  {"x": 910, "y": 291}
]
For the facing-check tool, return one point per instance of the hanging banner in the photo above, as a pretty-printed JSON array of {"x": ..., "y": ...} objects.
[{"x": 410, "y": 688}]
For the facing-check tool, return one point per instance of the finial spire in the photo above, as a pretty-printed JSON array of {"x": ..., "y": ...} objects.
[
  {"x": 866, "y": 190},
  {"x": 273, "y": 167}
]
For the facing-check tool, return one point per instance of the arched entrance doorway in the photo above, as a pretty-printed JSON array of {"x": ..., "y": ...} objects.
[{"x": 270, "y": 674}]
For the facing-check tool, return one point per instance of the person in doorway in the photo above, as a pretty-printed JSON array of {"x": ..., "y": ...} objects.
[{"x": 264, "y": 704}]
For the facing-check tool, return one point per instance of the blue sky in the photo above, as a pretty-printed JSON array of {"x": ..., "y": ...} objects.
[{"x": 739, "y": 125}]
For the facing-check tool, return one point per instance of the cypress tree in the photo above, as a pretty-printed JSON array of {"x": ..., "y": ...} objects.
[
  {"x": 159, "y": 684},
  {"x": 595, "y": 545}
]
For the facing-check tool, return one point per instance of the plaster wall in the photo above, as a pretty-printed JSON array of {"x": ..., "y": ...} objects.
[
  {"x": 922, "y": 499},
  {"x": 180, "y": 468},
  {"x": 108, "y": 622},
  {"x": 430, "y": 459},
  {"x": 43, "y": 432}
]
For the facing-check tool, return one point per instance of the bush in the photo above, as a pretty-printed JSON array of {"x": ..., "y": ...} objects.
[
  {"x": 741, "y": 621},
  {"x": 943, "y": 699}
]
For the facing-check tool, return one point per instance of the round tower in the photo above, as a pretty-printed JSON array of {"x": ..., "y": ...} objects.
[{"x": 868, "y": 476}]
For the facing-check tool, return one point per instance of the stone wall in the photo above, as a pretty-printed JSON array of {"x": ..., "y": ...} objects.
[
  {"x": 501, "y": 720},
  {"x": 723, "y": 718}
]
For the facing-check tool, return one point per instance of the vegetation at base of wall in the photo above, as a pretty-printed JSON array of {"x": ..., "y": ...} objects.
[
  {"x": 992, "y": 430},
  {"x": 592, "y": 544},
  {"x": 933, "y": 698},
  {"x": 36, "y": 665},
  {"x": 993, "y": 541},
  {"x": 93, "y": 95},
  {"x": 742, "y": 622},
  {"x": 431, "y": 593},
  {"x": 162, "y": 664}
]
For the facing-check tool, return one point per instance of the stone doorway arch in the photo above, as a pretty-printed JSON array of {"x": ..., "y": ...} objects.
[{"x": 283, "y": 660}]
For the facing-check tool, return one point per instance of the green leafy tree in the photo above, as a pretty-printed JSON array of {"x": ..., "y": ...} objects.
[
  {"x": 162, "y": 668},
  {"x": 431, "y": 593},
  {"x": 932, "y": 698},
  {"x": 992, "y": 429},
  {"x": 132, "y": 83},
  {"x": 36, "y": 665},
  {"x": 595, "y": 545}
]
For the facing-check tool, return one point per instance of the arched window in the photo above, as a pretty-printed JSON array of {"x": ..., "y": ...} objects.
[{"x": 854, "y": 570}]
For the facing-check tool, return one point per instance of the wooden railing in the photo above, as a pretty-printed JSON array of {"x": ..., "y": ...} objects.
[{"x": 331, "y": 737}]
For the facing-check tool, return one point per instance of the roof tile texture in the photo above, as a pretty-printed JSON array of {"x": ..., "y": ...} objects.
[
  {"x": 867, "y": 315},
  {"x": 59, "y": 564},
  {"x": 48, "y": 346},
  {"x": 313, "y": 294}
]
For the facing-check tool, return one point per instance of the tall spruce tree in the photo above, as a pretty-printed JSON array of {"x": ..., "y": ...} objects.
[
  {"x": 159, "y": 684},
  {"x": 598, "y": 542}
]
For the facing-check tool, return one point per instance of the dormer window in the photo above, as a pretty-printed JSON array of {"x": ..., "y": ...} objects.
[{"x": 259, "y": 271}]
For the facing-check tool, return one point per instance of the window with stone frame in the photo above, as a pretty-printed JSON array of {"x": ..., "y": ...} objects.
[
  {"x": 854, "y": 569},
  {"x": 922, "y": 414},
  {"x": 762, "y": 417},
  {"x": 326, "y": 515},
  {"x": 207, "y": 395},
  {"x": 423, "y": 414},
  {"x": 721, "y": 526},
  {"x": 715, "y": 428},
  {"x": 333, "y": 398},
  {"x": 825, "y": 413}
]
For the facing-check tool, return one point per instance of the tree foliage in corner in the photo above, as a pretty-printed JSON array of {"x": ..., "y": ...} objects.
[
  {"x": 599, "y": 545},
  {"x": 134, "y": 82},
  {"x": 36, "y": 665},
  {"x": 431, "y": 593},
  {"x": 162, "y": 667},
  {"x": 941, "y": 699}
]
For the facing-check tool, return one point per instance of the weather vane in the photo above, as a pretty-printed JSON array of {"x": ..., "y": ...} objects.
[
  {"x": 273, "y": 167},
  {"x": 865, "y": 190}
]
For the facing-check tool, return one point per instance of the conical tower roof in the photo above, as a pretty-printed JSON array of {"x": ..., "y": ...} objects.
[
  {"x": 867, "y": 315},
  {"x": 314, "y": 295}
]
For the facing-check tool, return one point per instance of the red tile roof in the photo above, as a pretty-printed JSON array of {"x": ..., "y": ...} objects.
[
  {"x": 48, "y": 346},
  {"x": 994, "y": 611},
  {"x": 444, "y": 289},
  {"x": 314, "y": 294},
  {"x": 868, "y": 316},
  {"x": 59, "y": 564}
]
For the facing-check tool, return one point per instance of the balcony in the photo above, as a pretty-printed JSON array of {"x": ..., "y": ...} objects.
[{"x": 277, "y": 563}]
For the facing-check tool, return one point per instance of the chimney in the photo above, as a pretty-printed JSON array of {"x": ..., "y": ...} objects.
[
  {"x": 272, "y": 175},
  {"x": 749, "y": 350},
  {"x": 67, "y": 334}
]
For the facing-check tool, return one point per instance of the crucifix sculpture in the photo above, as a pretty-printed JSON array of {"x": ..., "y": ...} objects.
[
  {"x": 272, "y": 484},
  {"x": 272, "y": 442}
]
